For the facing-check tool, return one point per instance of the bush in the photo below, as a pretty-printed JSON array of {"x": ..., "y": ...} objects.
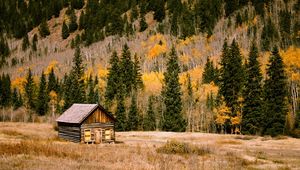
[{"x": 176, "y": 147}]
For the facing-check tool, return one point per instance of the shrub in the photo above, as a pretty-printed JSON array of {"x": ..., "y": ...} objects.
[{"x": 176, "y": 147}]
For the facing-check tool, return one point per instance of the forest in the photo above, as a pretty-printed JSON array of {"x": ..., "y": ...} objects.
[{"x": 241, "y": 89}]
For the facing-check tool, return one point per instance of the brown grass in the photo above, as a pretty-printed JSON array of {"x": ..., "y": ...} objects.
[{"x": 41, "y": 149}]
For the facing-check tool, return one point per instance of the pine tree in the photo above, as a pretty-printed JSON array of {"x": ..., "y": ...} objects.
[
  {"x": 44, "y": 29},
  {"x": 149, "y": 120},
  {"x": 42, "y": 98},
  {"x": 52, "y": 82},
  {"x": 120, "y": 114},
  {"x": 275, "y": 96},
  {"x": 133, "y": 114},
  {"x": 25, "y": 42},
  {"x": 96, "y": 98},
  {"x": 91, "y": 92},
  {"x": 252, "y": 110},
  {"x": 65, "y": 31},
  {"x": 29, "y": 87},
  {"x": 173, "y": 118},
  {"x": 126, "y": 71},
  {"x": 73, "y": 21},
  {"x": 77, "y": 72},
  {"x": 5, "y": 90},
  {"x": 137, "y": 75},
  {"x": 112, "y": 79},
  {"x": 16, "y": 99},
  {"x": 232, "y": 76},
  {"x": 174, "y": 25},
  {"x": 34, "y": 43},
  {"x": 209, "y": 75},
  {"x": 143, "y": 24}
]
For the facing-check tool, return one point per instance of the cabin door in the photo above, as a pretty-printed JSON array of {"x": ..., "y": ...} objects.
[{"x": 98, "y": 136}]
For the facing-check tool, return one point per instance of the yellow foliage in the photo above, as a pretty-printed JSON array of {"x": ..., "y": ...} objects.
[
  {"x": 184, "y": 58},
  {"x": 291, "y": 59},
  {"x": 222, "y": 114},
  {"x": 196, "y": 52},
  {"x": 52, "y": 65},
  {"x": 19, "y": 83},
  {"x": 157, "y": 50},
  {"x": 153, "y": 82},
  {"x": 53, "y": 97},
  {"x": 156, "y": 37},
  {"x": 88, "y": 73}
]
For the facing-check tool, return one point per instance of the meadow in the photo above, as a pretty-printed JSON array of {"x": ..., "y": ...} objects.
[{"x": 36, "y": 146}]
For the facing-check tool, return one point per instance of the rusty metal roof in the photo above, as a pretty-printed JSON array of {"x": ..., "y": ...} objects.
[{"x": 77, "y": 113}]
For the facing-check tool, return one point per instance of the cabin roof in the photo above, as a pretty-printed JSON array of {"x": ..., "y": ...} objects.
[{"x": 78, "y": 112}]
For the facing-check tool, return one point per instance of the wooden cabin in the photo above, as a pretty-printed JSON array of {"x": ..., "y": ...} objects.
[{"x": 86, "y": 123}]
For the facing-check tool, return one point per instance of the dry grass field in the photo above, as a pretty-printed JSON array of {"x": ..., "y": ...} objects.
[{"x": 36, "y": 146}]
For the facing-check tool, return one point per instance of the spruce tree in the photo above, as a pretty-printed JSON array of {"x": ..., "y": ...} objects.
[
  {"x": 52, "y": 82},
  {"x": 96, "y": 98},
  {"x": 143, "y": 24},
  {"x": 44, "y": 29},
  {"x": 29, "y": 87},
  {"x": 73, "y": 21},
  {"x": 77, "y": 72},
  {"x": 132, "y": 123},
  {"x": 112, "y": 79},
  {"x": 126, "y": 71},
  {"x": 173, "y": 118},
  {"x": 16, "y": 100},
  {"x": 137, "y": 75},
  {"x": 5, "y": 90},
  {"x": 232, "y": 76},
  {"x": 34, "y": 43},
  {"x": 209, "y": 74},
  {"x": 42, "y": 98},
  {"x": 25, "y": 42},
  {"x": 65, "y": 31},
  {"x": 149, "y": 120},
  {"x": 91, "y": 92},
  {"x": 252, "y": 110},
  {"x": 275, "y": 96},
  {"x": 120, "y": 114}
]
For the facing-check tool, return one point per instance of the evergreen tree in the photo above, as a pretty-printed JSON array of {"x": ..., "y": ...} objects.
[
  {"x": 133, "y": 114},
  {"x": 120, "y": 114},
  {"x": 52, "y": 82},
  {"x": 42, "y": 98},
  {"x": 252, "y": 110},
  {"x": 91, "y": 92},
  {"x": 173, "y": 118},
  {"x": 73, "y": 21},
  {"x": 143, "y": 24},
  {"x": 77, "y": 86},
  {"x": 232, "y": 76},
  {"x": 5, "y": 90},
  {"x": 112, "y": 79},
  {"x": 82, "y": 21},
  {"x": 96, "y": 98},
  {"x": 149, "y": 120},
  {"x": 126, "y": 71},
  {"x": 25, "y": 42},
  {"x": 16, "y": 99},
  {"x": 34, "y": 43},
  {"x": 174, "y": 25},
  {"x": 44, "y": 29},
  {"x": 29, "y": 87},
  {"x": 275, "y": 96},
  {"x": 65, "y": 31},
  {"x": 137, "y": 75},
  {"x": 77, "y": 4},
  {"x": 209, "y": 75}
]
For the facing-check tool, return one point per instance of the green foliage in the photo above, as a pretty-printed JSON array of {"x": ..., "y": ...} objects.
[
  {"x": 73, "y": 21},
  {"x": 5, "y": 90},
  {"x": 232, "y": 76},
  {"x": 126, "y": 71},
  {"x": 252, "y": 110},
  {"x": 65, "y": 31},
  {"x": 44, "y": 29},
  {"x": 34, "y": 42},
  {"x": 285, "y": 28},
  {"x": 176, "y": 147},
  {"x": 29, "y": 87},
  {"x": 149, "y": 119},
  {"x": 269, "y": 35},
  {"x": 132, "y": 123},
  {"x": 112, "y": 79},
  {"x": 143, "y": 24},
  {"x": 25, "y": 43},
  {"x": 120, "y": 124},
  {"x": 275, "y": 96},
  {"x": 174, "y": 25},
  {"x": 210, "y": 73},
  {"x": 42, "y": 97},
  {"x": 4, "y": 51},
  {"x": 17, "y": 101},
  {"x": 52, "y": 82},
  {"x": 137, "y": 75},
  {"x": 77, "y": 4},
  {"x": 173, "y": 118}
]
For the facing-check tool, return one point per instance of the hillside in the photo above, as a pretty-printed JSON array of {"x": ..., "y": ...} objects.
[{"x": 33, "y": 38}]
